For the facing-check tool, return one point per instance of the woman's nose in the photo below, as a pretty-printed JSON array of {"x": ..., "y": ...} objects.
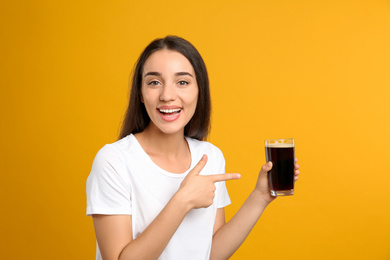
[{"x": 168, "y": 93}]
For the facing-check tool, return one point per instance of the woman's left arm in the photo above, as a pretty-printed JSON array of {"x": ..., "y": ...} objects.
[{"x": 228, "y": 237}]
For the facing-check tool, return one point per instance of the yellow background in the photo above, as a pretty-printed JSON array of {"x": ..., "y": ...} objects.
[{"x": 318, "y": 71}]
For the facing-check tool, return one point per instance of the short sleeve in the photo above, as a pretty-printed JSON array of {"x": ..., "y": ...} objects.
[
  {"x": 223, "y": 198},
  {"x": 107, "y": 190}
]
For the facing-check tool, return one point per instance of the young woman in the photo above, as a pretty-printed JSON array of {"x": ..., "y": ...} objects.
[{"x": 159, "y": 191}]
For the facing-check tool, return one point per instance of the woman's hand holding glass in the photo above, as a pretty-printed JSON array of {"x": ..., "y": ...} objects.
[{"x": 262, "y": 185}]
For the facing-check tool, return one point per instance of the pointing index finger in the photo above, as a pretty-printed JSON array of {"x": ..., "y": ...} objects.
[{"x": 225, "y": 177}]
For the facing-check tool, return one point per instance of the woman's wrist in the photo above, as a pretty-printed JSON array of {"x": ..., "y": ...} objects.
[
  {"x": 260, "y": 199},
  {"x": 181, "y": 202}
]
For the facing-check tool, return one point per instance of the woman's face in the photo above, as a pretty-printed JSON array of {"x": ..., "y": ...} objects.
[{"x": 169, "y": 91}]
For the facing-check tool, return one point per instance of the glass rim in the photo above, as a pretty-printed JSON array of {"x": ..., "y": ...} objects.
[{"x": 281, "y": 141}]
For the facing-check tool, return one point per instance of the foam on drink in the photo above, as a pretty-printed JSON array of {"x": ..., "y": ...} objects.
[{"x": 279, "y": 145}]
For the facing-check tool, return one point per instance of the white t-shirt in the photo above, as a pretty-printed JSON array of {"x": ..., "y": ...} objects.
[{"x": 125, "y": 181}]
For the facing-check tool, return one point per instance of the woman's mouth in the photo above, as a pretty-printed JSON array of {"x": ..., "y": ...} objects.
[{"x": 169, "y": 114}]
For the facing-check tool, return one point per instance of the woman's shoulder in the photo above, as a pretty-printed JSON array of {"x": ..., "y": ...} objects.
[{"x": 116, "y": 150}]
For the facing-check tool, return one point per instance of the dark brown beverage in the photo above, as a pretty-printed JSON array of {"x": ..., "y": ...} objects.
[{"x": 281, "y": 176}]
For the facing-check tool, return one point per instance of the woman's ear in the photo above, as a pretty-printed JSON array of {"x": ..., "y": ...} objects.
[{"x": 141, "y": 98}]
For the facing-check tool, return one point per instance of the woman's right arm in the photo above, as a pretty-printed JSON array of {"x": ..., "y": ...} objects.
[{"x": 114, "y": 232}]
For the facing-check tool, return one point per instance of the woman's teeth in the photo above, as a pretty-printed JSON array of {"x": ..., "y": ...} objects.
[{"x": 169, "y": 111}]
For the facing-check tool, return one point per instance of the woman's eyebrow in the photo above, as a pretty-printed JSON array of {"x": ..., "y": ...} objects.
[
  {"x": 152, "y": 73},
  {"x": 183, "y": 74}
]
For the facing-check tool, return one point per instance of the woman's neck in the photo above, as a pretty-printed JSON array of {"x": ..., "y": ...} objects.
[
  {"x": 169, "y": 151},
  {"x": 156, "y": 142}
]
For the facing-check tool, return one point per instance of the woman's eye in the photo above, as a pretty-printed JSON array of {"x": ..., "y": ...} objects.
[
  {"x": 182, "y": 83},
  {"x": 153, "y": 83}
]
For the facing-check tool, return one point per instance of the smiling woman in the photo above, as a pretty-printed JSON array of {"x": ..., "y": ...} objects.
[
  {"x": 153, "y": 194},
  {"x": 136, "y": 118},
  {"x": 169, "y": 91}
]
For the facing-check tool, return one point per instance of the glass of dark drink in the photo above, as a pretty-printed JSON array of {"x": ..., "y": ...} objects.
[{"x": 281, "y": 177}]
